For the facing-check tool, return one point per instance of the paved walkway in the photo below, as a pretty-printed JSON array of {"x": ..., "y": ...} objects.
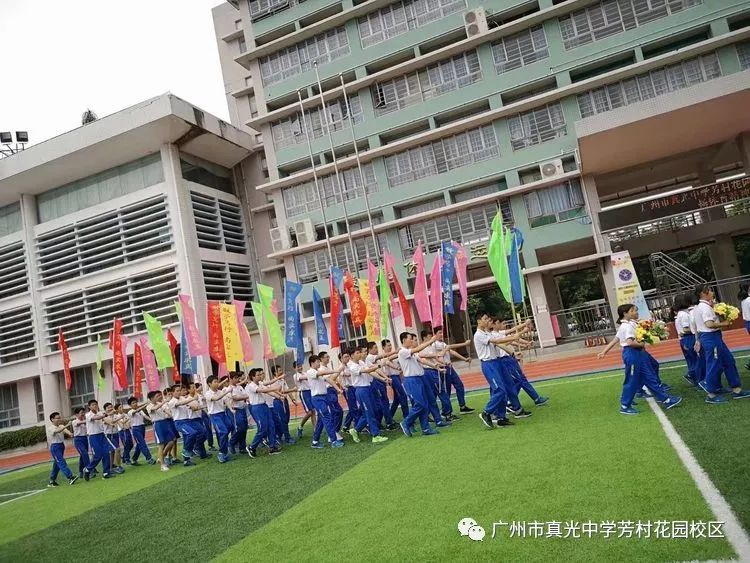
[{"x": 583, "y": 362}]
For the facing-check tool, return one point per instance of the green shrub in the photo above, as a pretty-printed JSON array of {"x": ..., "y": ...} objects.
[{"x": 22, "y": 438}]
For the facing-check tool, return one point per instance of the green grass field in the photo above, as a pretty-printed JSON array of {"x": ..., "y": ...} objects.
[{"x": 574, "y": 460}]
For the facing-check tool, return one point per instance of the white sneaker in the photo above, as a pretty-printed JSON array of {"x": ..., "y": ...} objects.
[{"x": 165, "y": 468}]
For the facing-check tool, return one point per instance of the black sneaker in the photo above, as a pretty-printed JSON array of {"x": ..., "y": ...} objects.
[
  {"x": 108, "y": 475},
  {"x": 465, "y": 409},
  {"x": 504, "y": 422},
  {"x": 72, "y": 480},
  {"x": 453, "y": 417},
  {"x": 486, "y": 419},
  {"x": 520, "y": 413},
  {"x": 134, "y": 463},
  {"x": 392, "y": 426},
  {"x": 86, "y": 475},
  {"x": 275, "y": 450},
  {"x": 52, "y": 484},
  {"x": 251, "y": 452}
]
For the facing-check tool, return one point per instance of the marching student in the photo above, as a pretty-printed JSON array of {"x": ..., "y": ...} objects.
[
  {"x": 432, "y": 363},
  {"x": 111, "y": 433},
  {"x": 270, "y": 395},
  {"x": 80, "y": 440},
  {"x": 238, "y": 439},
  {"x": 448, "y": 376},
  {"x": 126, "y": 436},
  {"x": 172, "y": 452},
  {"x": 513, "y": 367},
  {"x": 138, "y": 428},
  {"x": 207, "y": 426},
  {"x": 97, "y": 441},
  {"x": 684, "y": 332},
  {"x": 718, "y": 357},
  {"x": 362, "y": 376},
  {"x": 506, "y": 368},
  {"x": 700, "y": 364},
  {"x": 353, "y": 411},
  {"x": 255, "y": 390},
  {"x": 214, "y": 396},
  {"x": 229, "y": 412},
  {"x": 303, "y": 390},
  {"x": 392, "y": 370},
  {"x": 56, "y": 432},
  {"x": 744, "y": 298},
  {"x": 638, "y": 370},
  {"x": 332, "y": 393},
  {"x": 181, "y": 404},
  {"x": 378, "y": 389},
  {"x": 318, "y": 379},
  {"x": 165, "y": 437},
  {"x": 414, "y": 383},
  {"x": 281, "y": 406},
  {"x": 195, "y": 419}
]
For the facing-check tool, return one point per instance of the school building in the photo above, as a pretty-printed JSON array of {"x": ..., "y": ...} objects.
[
  {"x": 110, "y": 220},
  {"x": 565, "y": 115}
]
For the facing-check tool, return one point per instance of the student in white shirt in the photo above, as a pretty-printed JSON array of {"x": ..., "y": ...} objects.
[
  {"x": 379, "y": 389},
  {"x": 238, "y": 403},
  {"x": 682, "y": 324},
  {"x": 126, "y": 436},
  {"x": 112, "y": 434},
  {"x": 432, "y": 362},
  {"x": 303, "y": 390},
  {"x": 197, "y": 410},
  {"x": 281, "y": 406},
  {"x": 392, "y": 370},
  {"x": 718, "y": 357},
  {"x": 157, "y": 410},
  {"x": 80, "y": 440},
  {"x": 513, "y": 367},
  {"x": 700, "y": 365},
  {"x": 332, "y": 392},
  {"x": 256, "y": 390},
  {"x": 318, "y": 379},
  {"x": 97, "y": 442},
  {"x": 745, "y": 308},
  {"x": 353, "y": 411},
  {"x": 182, "y": 405},
  {"x": 448, "y": 376},
  {"x": 362, "y": 376},
  {"x": 414, "y": 383},
  {"x": 214, "y": 396},
  {"x": 56, "y": 432},
  {"x": 138, "y": 428},
  {"x": 207, "y": 426}
]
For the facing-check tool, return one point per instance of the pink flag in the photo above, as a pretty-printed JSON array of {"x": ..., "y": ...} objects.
[
  {"x": 421, "y": 300},
  {"x": 436, "y": 293},
  {"x": 372, "y": 283},
  {"x": 462, "y": 262},
  {"x": 116, "y": 380},
  {"x": 247, "y": 347},
  {"x": 195, "y": 344},
  {"x": 223, "y": 370},
  {"x": 389, "y": 262},
  {"x": 149, "y": 366}
]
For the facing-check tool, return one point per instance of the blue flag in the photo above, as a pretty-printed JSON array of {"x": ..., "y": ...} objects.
[
  {"x": 447, "y": 271},
  {"x": 337, "y": 274},
  {"x": 300, "y": 345},
  {"x": 517, "y": 288},
  {"x": 320, "y": 327},
  {"x": 291, "y": 291},
  {"x": 188, "y": 365}
]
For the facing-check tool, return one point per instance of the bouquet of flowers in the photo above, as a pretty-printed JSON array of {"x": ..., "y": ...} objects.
[
  {"x": 650, "y": 332},
  {"x": 726, "y": 312}
]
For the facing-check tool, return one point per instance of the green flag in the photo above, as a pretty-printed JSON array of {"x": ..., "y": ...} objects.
[
  {"x": 497, "y": 255},
  {"x": 271, "y": 320},
  {"x": 99, "y": 371},
  {"x": 265, "y": 293},
  {"x": 158, "y": 342},
  {"x": 385, "y": 302}
]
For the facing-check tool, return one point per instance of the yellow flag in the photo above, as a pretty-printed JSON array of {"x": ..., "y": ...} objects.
[
  {"x": 364, "y": 292},
  {"x": 232, "y": 345}
]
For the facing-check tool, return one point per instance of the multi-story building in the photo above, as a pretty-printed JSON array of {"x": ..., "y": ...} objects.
[
  {"x": 114, "y": 219},
  {"x": 552, "y": 111}
]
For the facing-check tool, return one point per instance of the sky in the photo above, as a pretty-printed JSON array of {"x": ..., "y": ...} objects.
[{"x": 60, "y": 57}]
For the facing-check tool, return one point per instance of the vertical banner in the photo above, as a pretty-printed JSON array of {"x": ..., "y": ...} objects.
[
  {"x": 65, "y": 358},
  {"x": 497, "y": 256},
  {"x": 196, "y": 345},
  {"x": 159, "y": 344},
  {"x": 627, "y": 286},
  {"x": 231, "y": 335},
  {"x": 188, "y": 363},
  {"x": 436, "y": 292},
  {"x": 447, "y": 271},
  {"x": 374, "y": 301},
  {"x": 120, "y": 378},
  {"x": 258, "y": 314},
  {"x": 270, "y": 320},
  {"x": 291, "y": 292},
  {"x": 517, "y": 286},
  {"x": 403, "y": 304},
  {"x": 462, "y": 264},
  {"x": 357, "y": 306},
  {"x": 364, "y": 293},
  {"x": 336, "y": 329},
  {"x": 385, "y": 302},
  {"x": 245, "y": 340},
  {"x": 320, "y": 326},
  {"x": 172, "y": 341},
  {"x": 300, "y": 350},
  {"x": 337, "y": 277},
  {"x": 421, "y": 300},
  {"x": 215, "y": 338},
  {"x": 99, "y": 365},
  {"x": 137, "y": 371},
  {"x": 149, "y": 366}
]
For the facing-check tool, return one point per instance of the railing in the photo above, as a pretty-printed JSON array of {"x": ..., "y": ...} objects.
[
  {"x": 669, "y": 273},
  {"x": 577, "y": 323},
  {"x": 660, "y": 303}
]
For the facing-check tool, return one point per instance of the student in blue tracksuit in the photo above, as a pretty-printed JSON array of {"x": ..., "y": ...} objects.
[
  {"x": 432, "y": 363},
  {"x": 126, "y": 435},
  {"x": 362, "y": 376},
  {"x": 303, "y": 391},
  {"x": 256, "y": 391},
  {"x": 507, "y": 356},
  {"x": 205, "y": 419},
  {"x": 182, "y": 405},
  {"x": 638, "y": 369},
  {"x": 353, "y": 411},
  {"x": 393, "y": 370},
  {"x": 745, "y": 309},
  {"x": 414, "y": 383},
  {"x": 215, "y": 395},
  {"x": 319, "y": 380},
  {"x": 486, "y": 346},
  {"x": 97, "y": 442},
  {"x": 718, "y": 357},
  {"x": 332, "y": 393},
  {"x": 379, "y": 389},
  {"x": 161, "y": 417},
  {"x": 113, "y": 438},
  {"x": 195, "y": 419},
  {"x": 138, "y": 428},
  {"x": 56, "y": 432},
  {"x": 238, "y": 408},
  {"x": 685, "y": 334},
  {"x": 700, "y": 364},
  {"x": 80, "y": 440},
  {"x": 281, "y": 410},
  {"x": 448, "y": 376}
]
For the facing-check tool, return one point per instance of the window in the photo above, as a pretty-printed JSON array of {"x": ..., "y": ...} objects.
[
  {"x": 218, "y": 223},
  {"x": 100, "y": 188},
  {"x": 359, "y": 225},
  {"x": 16, "y": 335},
  {"x": 313, "y": 266},
  {"x": 555, "y": 204},
  {"x": 206, "y": 173},
  {"x": 288, "y": 131},
  {"x": 226, "y": 282},
  {"x": 86, "y": 315},
  {"x": 473, "y": 193},
  {"x": 611, "y": 17},
  {"x": 537, "y": 126},
  {"x": 432, "y": 81},
  {"x": 303, "y": 198},
  {"x": 38, "y": 399},
  {"x": 82, "y": 389},
  {"x": 13, "y": 277},
  {"x": 10, "y": 219},
  {"x": 10, "y": 415},
  {"x": 298, "y": 58},
  {"x": 743, "y": 52},
  {"x": 649, "y": 85},
  {"x": 520, "y": 49},
  {"x": 421, "y": 207},
  {"x": 260, "y": 9},
  {"x": 439, "y": 157},
  {"x": 469, "y": 227},
  {"x": 400, "y": 17}
]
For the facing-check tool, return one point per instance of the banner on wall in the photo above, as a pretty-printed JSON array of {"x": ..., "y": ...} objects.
[{"x": 627, "y": 286}]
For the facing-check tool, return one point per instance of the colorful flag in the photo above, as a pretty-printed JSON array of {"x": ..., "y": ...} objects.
[
  {"x": 245, "y": 340},
  {"x": 436, "y": 293},
  {"x": 373, "y": 301},
  {"x": 196, "y": 344},
  {"x": 230, "y": 334},
  {"x": 364, "y": 294},
  {"x": 300, "y": 345},
  {"x": 462, "y": 263},
  {"x": 498, "y": 257},
  {"x": 137, "y": 371},
  {"x": 337, "y": 277},
  {"x": 388, "y": 264},
  {"x": 421, "y": 299},
  {"x": 265, "y": 292},
  {"x": 517, "y": 285},
  {"x": 448, "y": 269},
  {"x": 159, "y": 344},
  {"x": 320, "y": 326},
  {"x": 258, "y": 314},
  {"x": 188, "y": 364},
  {"x": 149, "y": 366},
  {"x": 357, "y": 307},
  {"x": 99, "y": 366},
  {"x": 124, "y": 343},
  {"x": 215, "y": 338},
  {"x": 65, "y": 358},
  {"x": 291, "y": 292},
  {"x": 385, "y": 302},
  {"x": 271, "y": 321},
  {"x": 403, "y": 304},
  {"x": 336, "y": 330},
  {"x": 172, "y": 341},
  {"x": 337, "y": 274},
  {"x": 120, "y": 379}
]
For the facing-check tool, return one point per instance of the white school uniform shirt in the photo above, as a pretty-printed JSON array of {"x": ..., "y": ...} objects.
[
  {"x": 54, "y": 437},
  {"x": 196, "y": 403},
  {"x": 682, "y": 322},
  {"x": 268, "y": 397},
  {"x": 325, "y": 368},
  {"x": 79, "y": 428},
  {"x": 179, "y": 412},
  {"x": 486, "y": 351},
  {"x": 441, "y": 349},
  {"x": 136, "y": 418},
  {"x": 370, "y": 360},
  {"x": 317, "y": 383},
  {"x": 345, "y": 379},
  {"x": 693, "y": 326},
  {"x": 110, "y": 428},
  {"x": 498, "y": 350},
  {"x": 214, "y": 407},
  {"x": 705, "y": 312},
  {"x": 390, "y": 370},
  {"x": 157, "y": 414},
  {"x": 302, "y": 384},
  {"x": 256, "y": 397},
  {"x": 94, "y": 426},
  {"x": 410, "y": 366},
  {"x": 237, "y": 389},
  {"x": 625, "y": 331},
  {"x": 359, "y": 379},
  {"x": 745, "y": 307}
]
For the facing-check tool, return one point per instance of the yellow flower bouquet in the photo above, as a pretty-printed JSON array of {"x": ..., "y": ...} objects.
[
  {"x": 650, "y": 332},
  {"x": 726, "y": 312}
]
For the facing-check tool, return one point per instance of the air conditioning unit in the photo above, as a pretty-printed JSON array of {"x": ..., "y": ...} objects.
[
  {"x": 305, "y": 232},
  {"x": 552, "y": 168},
  {"x": 475, "y": 22},
  {"x": 280, "y": 239}
]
